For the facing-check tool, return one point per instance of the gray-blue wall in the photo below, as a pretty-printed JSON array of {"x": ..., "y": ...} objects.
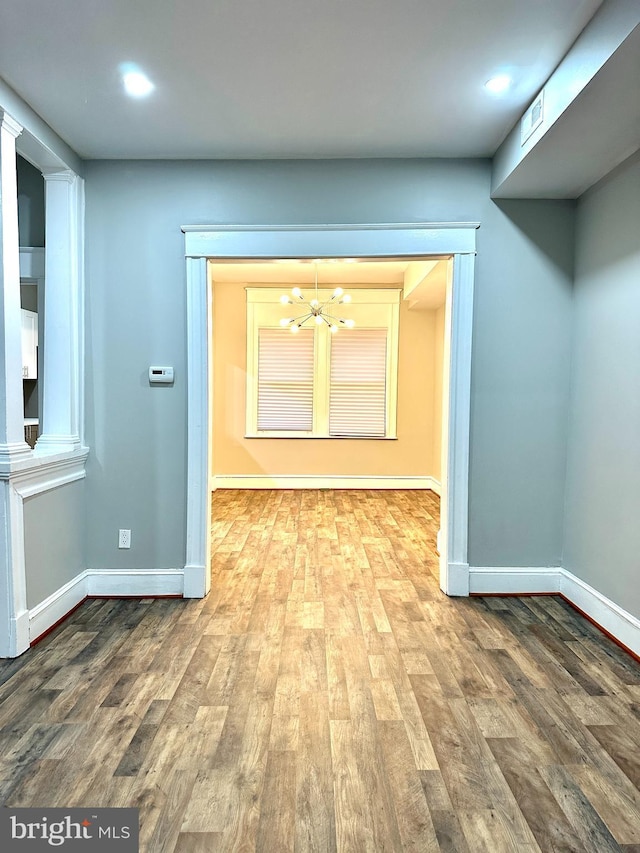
[
  {"x": 30, "y": 204},
  {"x": 136, "y": 317},
  {"x": 602, "y": 539},
  {"x": 53, "y": 539}
]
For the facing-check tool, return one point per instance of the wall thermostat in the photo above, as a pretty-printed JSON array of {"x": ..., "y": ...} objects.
[{"x": 161, "y": 375}]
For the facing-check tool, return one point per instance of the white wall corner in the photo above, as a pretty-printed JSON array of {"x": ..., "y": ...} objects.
[{"x": 604, "y": 612}]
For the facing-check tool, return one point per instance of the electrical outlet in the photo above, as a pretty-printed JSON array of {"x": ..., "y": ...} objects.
[{"x": 124, "y": 538}]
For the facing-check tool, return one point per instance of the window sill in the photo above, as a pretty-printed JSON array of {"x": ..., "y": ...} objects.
[{"x": 311, "y": 437}]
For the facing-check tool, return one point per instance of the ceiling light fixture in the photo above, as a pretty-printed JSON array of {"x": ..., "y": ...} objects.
[
  {"x": 316, "y": 311},
  {"x": 136, "y": 83},
  {"x": 499, "y": 84}
]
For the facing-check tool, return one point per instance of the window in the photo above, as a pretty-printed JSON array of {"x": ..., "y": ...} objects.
[
  {"x": 285, "y": 380},
  {"x": 358, "y": 383},
  {"x": 318, "y": 385}
]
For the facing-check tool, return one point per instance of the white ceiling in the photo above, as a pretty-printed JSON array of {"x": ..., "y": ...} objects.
[
  {"x": 302, "y": 272},
  {"x": 284, "y": 78},
  {"x": 424, "y": 281}
]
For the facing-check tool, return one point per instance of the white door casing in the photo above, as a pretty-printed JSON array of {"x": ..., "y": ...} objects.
[{"x": 378, "y": 241}]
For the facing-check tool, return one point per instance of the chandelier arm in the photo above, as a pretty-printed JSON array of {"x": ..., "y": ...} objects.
[
  {"x": 299, "y": 321},
  {"x": 333, "y": 317}
]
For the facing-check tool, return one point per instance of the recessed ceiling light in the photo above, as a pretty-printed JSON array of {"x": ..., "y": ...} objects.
[
  {"x": 499, "y": 84},
  {"x": 136, "y": 83}
]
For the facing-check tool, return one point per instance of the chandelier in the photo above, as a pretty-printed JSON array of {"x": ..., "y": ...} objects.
[{"x": 315, "y": 311}]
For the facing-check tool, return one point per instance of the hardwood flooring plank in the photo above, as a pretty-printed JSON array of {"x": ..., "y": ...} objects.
[
  {"x": 315, "y": 811},
  {"x": 278, "y": 804},
  {"x": 546, "y": 819},
  {"x": 413, "y": 817},
  {"x": 580, "y": 813},
  {"x": 622, "y": 749},
  {"x": 618, "y": 808}
]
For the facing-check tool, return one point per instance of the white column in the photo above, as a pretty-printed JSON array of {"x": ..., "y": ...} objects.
[
  {"x": 12, "y": 443},
  {"x": 14, "y": 618},
  {"x": 60, "y": 429}
]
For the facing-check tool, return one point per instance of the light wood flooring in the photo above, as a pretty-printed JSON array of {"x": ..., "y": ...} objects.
[{"x": 327, "y": 696}]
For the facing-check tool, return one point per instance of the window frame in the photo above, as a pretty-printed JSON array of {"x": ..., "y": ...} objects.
[{"x": 372, "y": 308}]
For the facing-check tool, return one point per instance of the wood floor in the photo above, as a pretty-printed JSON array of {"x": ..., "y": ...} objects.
[{"x": 326, "y": 696}]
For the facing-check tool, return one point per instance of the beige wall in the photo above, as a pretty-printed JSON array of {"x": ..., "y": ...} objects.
[
  {"x": 438, "y": 342},
  {"x": 412, "y": 454}
]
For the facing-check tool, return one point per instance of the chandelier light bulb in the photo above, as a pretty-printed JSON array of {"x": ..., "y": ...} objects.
[
  {"x": 349, "y": 323},
  {"x": 286, "y": 321},
  {"x": 297, "y": 292},
  {"x": 295, "y": 328},
  {"x": 285, "y": 300},
  {"x": 346, "y": 298},
  {"x": 333, "y": 328},
  {"x": 338, "y": 291},
  {"x": 318, "y": 320}
]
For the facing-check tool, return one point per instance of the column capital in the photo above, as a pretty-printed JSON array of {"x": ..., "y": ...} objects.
[
  {"x": 10, "y": 124},
  {"x": 64, "y": 175}
]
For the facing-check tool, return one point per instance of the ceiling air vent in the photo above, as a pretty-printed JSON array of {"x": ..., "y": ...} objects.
[{"x": 532, "y": 118}]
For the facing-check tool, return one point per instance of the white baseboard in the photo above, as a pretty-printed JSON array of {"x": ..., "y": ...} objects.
[
  {"x": 612, "y": 618},
  {"x": 616, "y": 621},
  {"x": 135, "y": 582},
  {"x": 456, "y": 579},
  {"x": 436, "y": 486},
  {"x": 116, "y": 582},
  {"x": 56, "y": 606},
  {"x": 303, "y": 481},
  {"x": 606, "y": 613},
  {"x": 511, "y": 581}
]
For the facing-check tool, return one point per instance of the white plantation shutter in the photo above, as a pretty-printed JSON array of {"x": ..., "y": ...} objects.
[
  {"x": 285, "y": 380},
  {"x": 357, "y": 394}
]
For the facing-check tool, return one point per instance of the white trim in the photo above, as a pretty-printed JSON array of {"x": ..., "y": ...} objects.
[
  {"x": 63, "y": 322},
  {"x": 197, "y": 574},
  {"x": 454, "y": 568},
  {"x": 606, "y": 613},
  {"x": 24, "y": 472},
  {"x": 514, "y": 581},
  {"x": 507, "y": 581},
  {"x": 436, "y": 486},
  {"x": 99, "y": 582},
  {"x": 314, "y": 481},
  {"x": 337, "y": 241},
  {"x": 135, "y": 582},
  {"x": 56, "y": 606},
  {"x": 22, "y": 479},
  {"x": 456, "y": 240},
  {"x": 42, "y": 473}
]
